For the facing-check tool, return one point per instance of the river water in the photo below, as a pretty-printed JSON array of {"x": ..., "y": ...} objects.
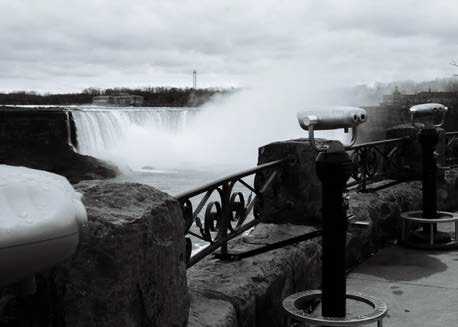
[
  {"x": 178, "y": 149},
  {"x": 151, "y": 146},
  {"x": 160, "y": 147}
]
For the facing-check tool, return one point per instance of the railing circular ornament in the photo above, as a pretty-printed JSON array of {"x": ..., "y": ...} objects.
[
  {"x": 237, "y": 203},
  {"x": 224, "y": 218},
  {"x": 293, "y": 305},
  {"x": 213, "y": 216},
  {"x": 372, "y": 162},
  {"x": 365, "y": 163},
  {"x": 394, "y": 159}
]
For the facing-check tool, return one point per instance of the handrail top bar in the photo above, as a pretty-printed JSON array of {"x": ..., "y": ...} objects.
[
  {"x": 452, "y": 133},
  {"x": 387, "y": 141},
  {"x": 229, "y": 178}
]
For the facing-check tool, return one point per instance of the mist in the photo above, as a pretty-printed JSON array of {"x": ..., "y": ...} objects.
[{"x": 228, "y": 131}]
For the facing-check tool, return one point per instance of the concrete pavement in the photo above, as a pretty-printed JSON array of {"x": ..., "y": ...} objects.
[{"x": 419, "y": 287}]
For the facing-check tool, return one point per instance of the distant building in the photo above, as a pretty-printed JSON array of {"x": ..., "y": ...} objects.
[
  {"x": 406, "y": 100},
  {"x": 121, "y": 100}
]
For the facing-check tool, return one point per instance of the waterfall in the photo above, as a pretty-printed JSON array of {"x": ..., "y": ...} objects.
[
  {"x": 115, "y": 133},
  {"x": 69, "y": 131}
]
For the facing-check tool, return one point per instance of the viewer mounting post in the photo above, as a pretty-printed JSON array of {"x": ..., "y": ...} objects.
[
  {"x": 429, "y": 237},
  {"x": 334, "y": 168},
  {"x": 428, "y": 139}
]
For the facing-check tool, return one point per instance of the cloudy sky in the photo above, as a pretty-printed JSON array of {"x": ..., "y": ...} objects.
[{"x": 55, "y": 45}]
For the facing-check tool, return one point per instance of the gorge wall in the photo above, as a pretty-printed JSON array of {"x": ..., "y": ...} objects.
[{"x": 45, "y": 139}]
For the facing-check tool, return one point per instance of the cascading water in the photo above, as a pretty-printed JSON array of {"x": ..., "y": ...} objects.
[
  {"x": 109, "y": 133},
  {"x": 69, "y": 131},
  {"x": 224, "y": 134}
]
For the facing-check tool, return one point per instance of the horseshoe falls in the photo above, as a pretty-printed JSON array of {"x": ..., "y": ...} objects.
[
  {"x": 171, "y": 149},
  {"x": 132, "y": 138}
]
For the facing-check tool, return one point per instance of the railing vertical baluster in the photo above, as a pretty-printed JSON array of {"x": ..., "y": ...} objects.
[
  {"x": 451, "y": 139},
  {"x": 367, "y": 166},
  {"x": 364, "y": 168},
  {"x": 225, "y": 221}
]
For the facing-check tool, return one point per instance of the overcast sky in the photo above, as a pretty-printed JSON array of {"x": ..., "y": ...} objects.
[{"x": 55, "y": 45}]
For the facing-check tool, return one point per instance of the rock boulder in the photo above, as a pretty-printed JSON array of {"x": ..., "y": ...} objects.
[{"x": 129, "y": 269}]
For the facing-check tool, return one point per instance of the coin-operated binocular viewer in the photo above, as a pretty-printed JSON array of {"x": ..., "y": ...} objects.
[
  {"x": 429, "y": 237},
  {"x": 41, "y": 217},
  {"x": 333, "y": 167}
]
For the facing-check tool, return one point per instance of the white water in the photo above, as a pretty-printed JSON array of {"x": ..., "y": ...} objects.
[
  {"x": 224, "y": 134},
  {"x": 133, "y": 138},
  {"x": 175, "y": 150}
]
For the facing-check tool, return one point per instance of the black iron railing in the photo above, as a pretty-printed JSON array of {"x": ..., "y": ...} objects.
[
  {"x": 451, "y": 151},
  {"x": 223, "y": 213},
  {"x": 373, "y": 161}
]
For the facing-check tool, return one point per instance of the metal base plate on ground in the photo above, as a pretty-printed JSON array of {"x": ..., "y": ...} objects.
[
  {"x": 293, "y": 305},
  {"x": 435, "y": 239}
]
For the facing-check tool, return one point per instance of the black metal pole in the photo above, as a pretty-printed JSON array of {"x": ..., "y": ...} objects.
[
  {"x": 333, "y": 169},
  {"x": 226, "y": 216},
  {"x": 428, "y": 139}
]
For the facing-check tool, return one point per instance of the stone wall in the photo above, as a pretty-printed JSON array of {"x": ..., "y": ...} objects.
[
  {"x": 42, "y": 139},
  {"x": 297, "y": 191},
  {"x": 249, "y": 292},
  {"x": 129, "y": 269}
]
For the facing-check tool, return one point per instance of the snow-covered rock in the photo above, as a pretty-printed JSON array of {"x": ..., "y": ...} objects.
[{"x": 40, "y": 219}]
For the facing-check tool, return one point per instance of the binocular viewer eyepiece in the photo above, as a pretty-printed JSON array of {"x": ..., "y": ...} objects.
[
  {"x": 428, "y": 109},
  {"x": 329, "y": 118},
  {"x": 325, "y": 118}
]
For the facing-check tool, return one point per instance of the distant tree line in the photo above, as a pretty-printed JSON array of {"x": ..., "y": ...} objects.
[{"x": 153, "y": 96}]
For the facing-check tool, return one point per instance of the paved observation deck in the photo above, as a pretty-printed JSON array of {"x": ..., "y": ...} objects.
[{"x": 419, "y": 287}]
